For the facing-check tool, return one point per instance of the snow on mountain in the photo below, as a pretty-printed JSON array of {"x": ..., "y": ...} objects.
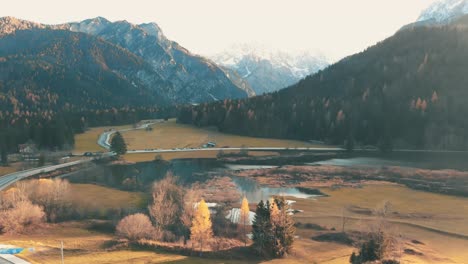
[
  {"x": 266, "y": 70},
  {"x": 444, "y": 11}
]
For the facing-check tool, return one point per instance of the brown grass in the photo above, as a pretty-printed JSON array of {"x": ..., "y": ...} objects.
[
  {"x": 141, "y": 157},
  {"x": 172, "y": 135},
  {"x": 417, "y": 211},
  {"x": 8, "y": 169},
  {"x": 88, "y": 141},
  {"x": 92, "y": 196},
  {"x": 84, "y": 246}
]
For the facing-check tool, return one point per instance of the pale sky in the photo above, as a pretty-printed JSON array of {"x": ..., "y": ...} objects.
[{"x": 337, "y": 28}]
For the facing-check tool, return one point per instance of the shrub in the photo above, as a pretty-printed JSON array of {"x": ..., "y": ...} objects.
[
  {"x": 135, "y": 227},
  {"x": 22, "y": 216}
]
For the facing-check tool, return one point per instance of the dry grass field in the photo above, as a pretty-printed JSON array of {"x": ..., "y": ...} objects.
[
  {"x": 7, "y": 170},
  {"x": 172, "y": 135},
  {"x": 141, "y": 157},
  {"x": 84, "y": 246},
  {"x": 169, "y": 135},
  {"x": 432, "y": 219},
  {"x": 88, "y": 140},
  {"x": 94, "y": 197}
]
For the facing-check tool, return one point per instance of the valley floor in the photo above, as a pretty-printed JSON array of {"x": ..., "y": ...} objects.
[
  {"x": 432, "y": 229},
  {"x": 170, "y": 135}
]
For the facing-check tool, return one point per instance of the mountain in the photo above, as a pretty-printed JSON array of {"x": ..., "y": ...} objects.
[
  {"x": 267, "y": 71},
  {"x": 444, "y": 11},
  {"x": 44, "y": 69},
  {"x": 408, "y": 91},
  {"x": 194, "y": 79}
]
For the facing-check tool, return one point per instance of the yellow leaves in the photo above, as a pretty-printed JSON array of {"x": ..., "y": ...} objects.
[
  {"x": 201, "y": 223},
  {"x": 244, "y": 212},
  {"x": 274, "y": 211}
]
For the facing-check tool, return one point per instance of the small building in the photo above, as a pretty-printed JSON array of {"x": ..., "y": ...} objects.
[
  {"x": 211, "y": 144},
  {"x": 27, "y": 149}
]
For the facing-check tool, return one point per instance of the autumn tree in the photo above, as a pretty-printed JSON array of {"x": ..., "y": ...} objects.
[
  {"x": 191, "y": 196},
  {"x": 244, "y": 218},
  {"x": 168, "y": 203},
  {"x": 135, "y": 227},
  {"x": 51, "y": 194},
  {"x": 283, "y": 227},
  {"x": 118, "y": 144},
  {"x": 201, "y": 230},
  {"x": 17, "y": 213}
]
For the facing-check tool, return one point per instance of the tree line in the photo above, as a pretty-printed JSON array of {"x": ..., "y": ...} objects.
[
  {"x": 405, "y": 92},
  {"x": 56, "y": 130}
]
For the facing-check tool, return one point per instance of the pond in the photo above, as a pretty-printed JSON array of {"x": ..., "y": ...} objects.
[
  {"x": 140, "y": 176},
  {"x": 415, "y": 159}
]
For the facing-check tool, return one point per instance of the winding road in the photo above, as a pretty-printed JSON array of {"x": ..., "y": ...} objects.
[
  {"x": 104, "y": 141},
  {"x": 11, "y": 178}
]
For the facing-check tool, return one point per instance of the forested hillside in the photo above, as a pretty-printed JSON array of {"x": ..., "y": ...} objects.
[
  {"x": 53, "y": 83},
  {"x": 408, "y": 91}
]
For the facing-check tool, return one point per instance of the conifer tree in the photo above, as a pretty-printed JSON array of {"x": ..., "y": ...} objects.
[
  {"x": 201, "y": 229},
  {"x": 118, "y": 144},
  {"x": 261, "y": 229}
]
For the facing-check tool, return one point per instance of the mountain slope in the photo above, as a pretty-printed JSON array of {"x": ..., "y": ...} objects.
[
  {"x": 268, "y": 71},
  {"x": 408, "y": 91},
  {"x": 444, "y": 11},
  {"x": 54, "y": 70},
  {"x": 194, "y": 78}
]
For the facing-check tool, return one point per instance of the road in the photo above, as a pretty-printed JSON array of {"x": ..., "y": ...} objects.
[
  {"x": 11, "y": 178},
  {"x": 227, "y": 149},
  {"x": 103, "y": 141},
  {"x": 11, "y": 259},
  {"x": 104, "y": 138}
]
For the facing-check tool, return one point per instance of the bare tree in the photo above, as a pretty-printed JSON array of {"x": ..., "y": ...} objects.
[
  {"x": 51, "y": 194},
  {"x": 24, "y": 214},
  {"x": 135, "y": 227},
  {"x": 344, "y": 218},
  {"x": 167, "y": 202}
]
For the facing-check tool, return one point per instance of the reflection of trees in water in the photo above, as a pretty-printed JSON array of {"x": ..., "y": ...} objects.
[{"x": 140, "y": 176}]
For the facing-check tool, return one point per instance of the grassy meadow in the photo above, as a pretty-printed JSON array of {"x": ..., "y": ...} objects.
[{"x": 170, "y": 134}]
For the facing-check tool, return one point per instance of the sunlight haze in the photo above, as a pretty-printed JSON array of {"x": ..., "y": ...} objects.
[{"x": 335, "y": 28}]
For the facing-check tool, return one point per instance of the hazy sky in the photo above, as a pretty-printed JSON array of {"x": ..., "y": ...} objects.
[{"x": 337, "y": 28}]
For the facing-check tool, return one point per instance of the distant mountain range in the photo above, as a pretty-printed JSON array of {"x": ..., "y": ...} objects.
[
  {"x": 441, "y": 12},
  {"x": 195, "y": 79},
  {"x": 268, "y": 71},
  {"x": 444, "y": 11},
  {"x": 99, "y": 64},
  {"x": 408, "y": 91}
]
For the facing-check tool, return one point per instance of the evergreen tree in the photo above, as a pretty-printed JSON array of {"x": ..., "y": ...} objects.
[
  {"x": 262, "y": 229},
  {"x": 118, "y": 144},
  {"x": 201, "y": 229},
  {"x": 244, "y": 218},
  {"x": 3, "y": 150}
]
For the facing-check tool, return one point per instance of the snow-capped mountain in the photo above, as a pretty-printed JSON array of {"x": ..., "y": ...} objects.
[
  {"x": 266, "y": 70},
  {"x": 444, "y": 11}
]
